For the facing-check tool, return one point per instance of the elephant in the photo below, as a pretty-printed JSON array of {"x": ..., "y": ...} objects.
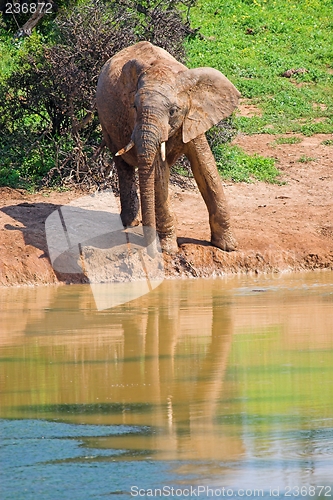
[{"x": 152, "y": 110}]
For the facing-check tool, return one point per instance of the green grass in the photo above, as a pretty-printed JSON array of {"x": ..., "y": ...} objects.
[
  {"x": 328, "y": 142},
  {"x": 254, "y": 41},
  {"x": 293, "y": 139},
  {"x": 306, "y": 159},
  {"x": 238, "y": 166}
]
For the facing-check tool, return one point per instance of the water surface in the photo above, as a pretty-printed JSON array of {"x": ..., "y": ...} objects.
[{"x": 224, "y": 383}]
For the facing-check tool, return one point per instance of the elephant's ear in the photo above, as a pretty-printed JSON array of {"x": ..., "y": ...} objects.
[
  {"x": 212, "y": 98},
  {"x": 130, "y": 74}
]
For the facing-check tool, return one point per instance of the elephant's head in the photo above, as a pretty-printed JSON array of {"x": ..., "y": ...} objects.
[{"x": 187, "y": 102}]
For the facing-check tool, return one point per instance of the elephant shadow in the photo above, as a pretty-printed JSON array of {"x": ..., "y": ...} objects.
[
  {"x": 64, "y": 233},
  {"x": 186, "y": 240},
  {"x": 32, "y": 217}
]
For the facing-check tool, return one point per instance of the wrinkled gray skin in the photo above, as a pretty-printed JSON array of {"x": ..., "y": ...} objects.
[{"x": 146, "y": 96}]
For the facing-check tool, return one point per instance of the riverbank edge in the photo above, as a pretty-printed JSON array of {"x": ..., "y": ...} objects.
[{"x": 192, "y": 261}]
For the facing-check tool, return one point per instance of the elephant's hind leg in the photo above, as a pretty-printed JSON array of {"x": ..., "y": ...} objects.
[
  {"x": 209, "y": 183},
  {"x": 128, "y": 193}
]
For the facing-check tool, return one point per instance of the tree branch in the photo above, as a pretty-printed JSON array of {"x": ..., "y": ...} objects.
[{"x": 34, "y": 20}]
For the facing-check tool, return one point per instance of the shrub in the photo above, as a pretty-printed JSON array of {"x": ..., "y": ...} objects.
[{"x": 49, "y": 98}]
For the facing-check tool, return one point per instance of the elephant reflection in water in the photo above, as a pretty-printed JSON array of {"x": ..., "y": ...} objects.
[
  {"x": 166, "y": 371},
  {"x": 157, "y": 362}
]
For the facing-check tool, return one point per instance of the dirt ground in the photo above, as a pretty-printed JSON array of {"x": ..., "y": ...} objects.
[{"x": 285, "y": 227}]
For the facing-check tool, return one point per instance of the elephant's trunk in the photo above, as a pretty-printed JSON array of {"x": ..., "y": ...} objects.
[
  {"x": 147, "y": 191},
  {"x": 147, "y": 141}
]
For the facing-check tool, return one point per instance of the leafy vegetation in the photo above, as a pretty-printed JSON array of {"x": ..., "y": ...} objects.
[{"x": 7, "y": 53}]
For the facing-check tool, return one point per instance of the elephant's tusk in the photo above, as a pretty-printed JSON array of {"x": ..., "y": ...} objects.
[
  {"x": 125, "y": 149},
  {"x": 163, "y": 151}
]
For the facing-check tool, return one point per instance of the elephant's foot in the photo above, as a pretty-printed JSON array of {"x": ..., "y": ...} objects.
[
  {"x": 129, "y": 221},
  {"x": 227, "y": 242},
  {"x": 169, "y": 243}
]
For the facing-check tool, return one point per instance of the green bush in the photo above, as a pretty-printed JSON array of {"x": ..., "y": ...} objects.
[
  {"x": 48, "y": 94},
  {"x": 7, "y": 53}
]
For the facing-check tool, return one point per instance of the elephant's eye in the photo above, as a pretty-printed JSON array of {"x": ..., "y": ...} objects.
[{"x": 173, "y": 111}]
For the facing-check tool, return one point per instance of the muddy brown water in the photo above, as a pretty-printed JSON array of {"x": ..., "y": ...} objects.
[{"x": 201, "y": 388}]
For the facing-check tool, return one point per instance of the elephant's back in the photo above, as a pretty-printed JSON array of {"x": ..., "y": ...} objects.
[{"x": 144, "y": 53}]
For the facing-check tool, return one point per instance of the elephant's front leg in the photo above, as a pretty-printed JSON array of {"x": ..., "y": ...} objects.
[
  {"x": 165, "y": 222},
  {"x": 128, "y": 193},
  {"x": 209, "y": 183}
]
